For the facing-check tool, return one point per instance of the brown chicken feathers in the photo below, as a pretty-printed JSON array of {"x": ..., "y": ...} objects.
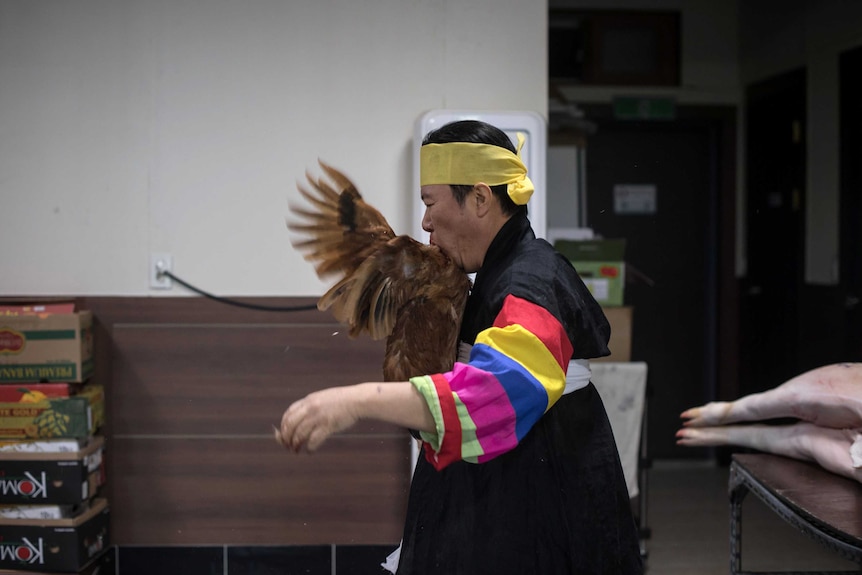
[{"x": 389, "y": 285}]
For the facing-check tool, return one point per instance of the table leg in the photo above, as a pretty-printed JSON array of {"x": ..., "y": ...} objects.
[{"x": 737, "y": 490}]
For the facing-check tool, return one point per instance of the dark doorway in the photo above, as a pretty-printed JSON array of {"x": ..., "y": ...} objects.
[
  {"x": 775, "y": 231},
  {"x": 850, "y": 235},
  {"x": 673, "y": 252}
]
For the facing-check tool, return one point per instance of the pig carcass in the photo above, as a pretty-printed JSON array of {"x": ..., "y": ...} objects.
[{"x": 826, "y": 403}]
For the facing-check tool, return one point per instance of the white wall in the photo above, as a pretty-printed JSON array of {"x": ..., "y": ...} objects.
[{"x": 182, "y": 126}]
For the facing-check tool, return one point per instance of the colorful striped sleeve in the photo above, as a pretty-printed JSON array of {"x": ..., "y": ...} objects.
[{"x": 516, "y": 372}]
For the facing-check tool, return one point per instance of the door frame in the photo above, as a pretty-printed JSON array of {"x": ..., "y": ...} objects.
[
  {"x": 723, "y": 291},
  {"x": 850, "y": 201}
]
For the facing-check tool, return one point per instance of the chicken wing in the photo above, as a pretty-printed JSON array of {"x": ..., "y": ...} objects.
[{"x": 387, "y": 285}]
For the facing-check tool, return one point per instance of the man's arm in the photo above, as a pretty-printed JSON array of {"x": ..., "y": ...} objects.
[{"x": 308, "y": 422}]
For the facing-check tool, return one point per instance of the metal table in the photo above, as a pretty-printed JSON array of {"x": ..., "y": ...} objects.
[{"x": 822, "y": 505}]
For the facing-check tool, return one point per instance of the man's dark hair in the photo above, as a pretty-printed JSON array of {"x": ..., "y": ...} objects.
[{"x": 476, "y": 132}]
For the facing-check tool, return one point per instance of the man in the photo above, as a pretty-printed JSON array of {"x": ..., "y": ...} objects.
[{"x": 520, "y": 472}]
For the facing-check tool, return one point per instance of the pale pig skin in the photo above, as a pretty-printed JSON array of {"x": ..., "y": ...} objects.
[{"x": 826, "y": 400}]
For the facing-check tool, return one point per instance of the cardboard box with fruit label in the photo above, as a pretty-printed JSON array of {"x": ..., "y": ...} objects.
[
  {"x": 78, "y": 416},
  {"x": 47, "y": 347}
]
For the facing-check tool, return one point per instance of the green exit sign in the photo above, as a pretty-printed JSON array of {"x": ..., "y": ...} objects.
[{"x": 632, "y": 108}]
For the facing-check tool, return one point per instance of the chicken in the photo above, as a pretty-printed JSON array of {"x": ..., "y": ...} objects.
[
  {"x": 826, "y": 402},
  {"x": 388, "y": 286}
]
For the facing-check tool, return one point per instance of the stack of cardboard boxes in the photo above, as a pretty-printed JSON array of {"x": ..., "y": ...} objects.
[
  {"x": 601, "y": 264},
  {"x": 51, "y": 451}
]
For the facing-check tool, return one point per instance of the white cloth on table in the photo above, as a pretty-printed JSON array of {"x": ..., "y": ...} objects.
[{"x": 622, "y": 387}]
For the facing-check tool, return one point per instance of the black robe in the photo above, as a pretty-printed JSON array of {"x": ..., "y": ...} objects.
[{"x": 555, "y": 504}]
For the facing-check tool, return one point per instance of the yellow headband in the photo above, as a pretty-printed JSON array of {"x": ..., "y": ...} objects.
[{"x": 464, "y": 163}]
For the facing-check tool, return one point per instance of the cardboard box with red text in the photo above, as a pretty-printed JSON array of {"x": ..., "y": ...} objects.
[
  {"x": 60, "y": 478},
  {"x": 55, "y": 544},
  {"x": 33, "y": 392},
  {"x": 103, "y": 564},
  {"x": 46, "y": 348}
]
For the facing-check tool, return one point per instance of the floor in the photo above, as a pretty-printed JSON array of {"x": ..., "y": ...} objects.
[{"x": 688, "y": 515}]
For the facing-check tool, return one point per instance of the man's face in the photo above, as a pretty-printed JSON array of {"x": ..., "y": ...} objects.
[{"x": 450, "y": 225}]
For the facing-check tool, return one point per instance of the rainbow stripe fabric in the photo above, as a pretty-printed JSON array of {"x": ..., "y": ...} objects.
[{"x": 516, "y": 372}]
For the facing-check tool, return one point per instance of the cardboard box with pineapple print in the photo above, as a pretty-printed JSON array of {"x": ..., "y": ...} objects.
[{"x": 80, "y": 415}]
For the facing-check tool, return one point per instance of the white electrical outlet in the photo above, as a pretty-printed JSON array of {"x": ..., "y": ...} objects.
[{"x": 160, "y": 263}]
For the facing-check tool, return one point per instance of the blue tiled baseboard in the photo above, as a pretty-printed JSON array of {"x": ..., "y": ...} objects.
[{"x": 252, "y": 560}]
